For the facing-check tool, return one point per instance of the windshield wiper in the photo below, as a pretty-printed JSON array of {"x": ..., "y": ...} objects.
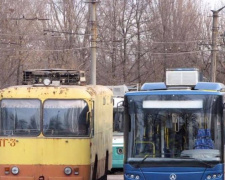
[
  {"x": 146, "y": 156},
  {"x": 199, "y": 160},
  {"x": 139, "y": 163},
  {"x": 184, "y": 157}
]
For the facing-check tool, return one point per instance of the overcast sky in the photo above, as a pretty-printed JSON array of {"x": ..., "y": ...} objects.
[{"x": 215, "y": 4}]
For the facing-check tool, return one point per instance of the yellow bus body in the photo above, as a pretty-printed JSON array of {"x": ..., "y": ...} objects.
[{"x": 44, "y": 158}]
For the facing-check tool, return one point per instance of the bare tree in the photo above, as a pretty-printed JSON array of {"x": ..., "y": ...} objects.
[{"x": 137, "y": 39}]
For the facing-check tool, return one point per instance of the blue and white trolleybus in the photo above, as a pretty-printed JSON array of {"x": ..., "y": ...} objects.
[{"x": 175, "y": 131}]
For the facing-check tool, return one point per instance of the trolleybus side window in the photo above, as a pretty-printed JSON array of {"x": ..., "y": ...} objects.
[
  {"x": 65, "y": 118},
  {"x": 20, "y": 117}
]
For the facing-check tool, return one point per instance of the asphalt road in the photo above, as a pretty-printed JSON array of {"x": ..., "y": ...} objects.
[{"x": 115, "y": 177}]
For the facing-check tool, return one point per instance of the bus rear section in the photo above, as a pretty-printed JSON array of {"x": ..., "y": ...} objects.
[{"x": 55, "y": 132}]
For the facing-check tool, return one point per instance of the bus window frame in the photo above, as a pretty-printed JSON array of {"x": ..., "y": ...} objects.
[
  {"x": 92, "y": 118},
  {"x": 119, "y": 109},
  {"x": 61, "y": 136},
  {"x": 40, "y": 120},
  {"x": 129, "y": 112}
]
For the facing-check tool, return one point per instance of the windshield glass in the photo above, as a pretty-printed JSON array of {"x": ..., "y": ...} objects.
[
  {"x": 175, "y": 126},
  {"x": 118, "y": 116},
  {"x": 20, "y": 117},
  {"x": 118, "y": 120},
  {"x": 65, "y": 118}
]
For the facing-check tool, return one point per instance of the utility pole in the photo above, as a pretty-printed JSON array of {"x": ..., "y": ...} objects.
[
  {"x": 214, "y": 44},
  {"x": 93, "y": 40}
]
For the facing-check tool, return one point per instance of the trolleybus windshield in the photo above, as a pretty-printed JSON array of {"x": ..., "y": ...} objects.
[
  {"x": 172, "y": 127},
  {"x": 65, "y": 118},
  {"x": 20, "y": 117}
]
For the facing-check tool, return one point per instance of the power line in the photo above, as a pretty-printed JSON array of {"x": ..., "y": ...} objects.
[
  {"x": 83, "y": 34},
  {"x": 179, "y": 53},
  {"x": 33, "y": 35},
  {"x": 45, "y": 50},
  {"x": 168, "y": 53},
  {"x": 181, "y": 42},
  {"x": 30, "y": 19},
  {"x": 64, "y": 32}
]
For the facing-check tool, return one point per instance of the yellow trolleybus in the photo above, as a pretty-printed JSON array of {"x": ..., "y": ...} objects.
[{"x": 52, "y": 128}]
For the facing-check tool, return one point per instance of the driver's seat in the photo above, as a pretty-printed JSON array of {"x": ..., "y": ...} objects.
[{"x": 204, "y": 140}]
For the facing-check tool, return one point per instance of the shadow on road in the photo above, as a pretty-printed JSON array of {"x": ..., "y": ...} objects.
[{"x": 116, "y": 171}]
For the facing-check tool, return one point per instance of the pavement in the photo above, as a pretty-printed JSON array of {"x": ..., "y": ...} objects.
[{"x": 115, "y": 177}]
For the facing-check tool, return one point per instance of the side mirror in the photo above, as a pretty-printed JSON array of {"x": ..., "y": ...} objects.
[
  {"x": 88, "y": 116},
  {"x": 119, "y": 104},
  {"x": 92, "y": 132}
]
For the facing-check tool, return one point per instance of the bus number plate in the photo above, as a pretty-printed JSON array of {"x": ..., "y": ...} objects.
[{"x": 7, "y": 142}]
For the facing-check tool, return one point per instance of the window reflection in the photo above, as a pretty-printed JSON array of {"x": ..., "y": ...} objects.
[
  {"x": 118, "y": 116},
  {"x": 20, "y": 117},
  {"x": 65, "y": 118},
  {"x": 171, "y": 132}
]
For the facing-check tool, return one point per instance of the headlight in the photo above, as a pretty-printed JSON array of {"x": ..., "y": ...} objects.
[
  {"x": 214, "y": 176},
  {"x": 47, "y": 81},
  {"x": 15, "y": 170},
  {"x": 133, "y": 176},
  {"x": 67, "y": 170},
  {"x": 137, "y": 177}
]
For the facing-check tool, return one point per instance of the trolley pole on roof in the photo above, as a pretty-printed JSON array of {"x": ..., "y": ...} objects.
[
  {"x": 214, "y": 44},
  {"x": 93, "y": 40}
]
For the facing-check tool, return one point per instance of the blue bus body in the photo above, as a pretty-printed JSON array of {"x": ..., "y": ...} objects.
[
  {"x": 174, "y": 134},
  {"x": 172, "y": 173}
]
